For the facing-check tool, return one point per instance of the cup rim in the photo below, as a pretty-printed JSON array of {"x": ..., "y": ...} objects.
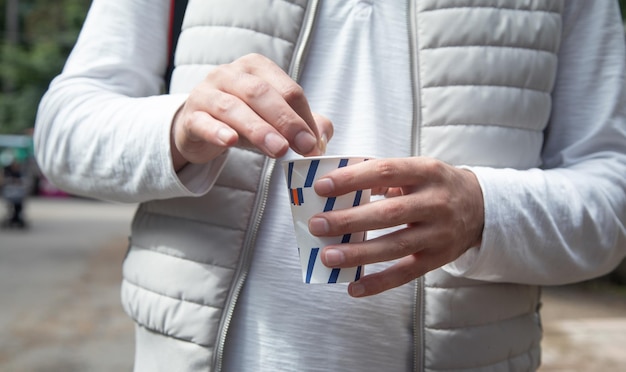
[{"x": 322, "y": 157}]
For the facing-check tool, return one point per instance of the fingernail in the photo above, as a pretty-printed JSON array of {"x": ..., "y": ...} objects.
[
  {"x": 324, "y": 186},
  {"x": 274, "y": 143},
  {"x": 318, "y": 226},
  {"x": 305, "y": 142},
  {"x": 323, "y": 143},
  {"x": 334, "y": 257},
  {"x": 356, "y": 289}
]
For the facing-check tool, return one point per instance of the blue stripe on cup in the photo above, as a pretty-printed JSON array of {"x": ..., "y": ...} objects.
[
  {"x": 334, "y": 274},
  {"x": 346, "y": 238},
  {"x": 311, "y": 265},
  {"x": 330, "y": 203},
  {"x": 310, "y": 176},
  {"x": 289, "y": 174},
  {"x": 357, "y": 198}
]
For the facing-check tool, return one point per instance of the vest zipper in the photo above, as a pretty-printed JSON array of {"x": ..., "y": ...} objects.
[
  {"x": 412, "y": 23},
  {"x": 418, "y": 304},
  {"x": 302, "y": 45},
  {"x": 243, "y": 269},
  {"x": 245, "y": 261}
]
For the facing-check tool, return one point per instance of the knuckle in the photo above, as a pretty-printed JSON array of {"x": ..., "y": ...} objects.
[
  {"x": 255, "y": 89},
  {"x": 434, "y": 168},
  {"x": 250, "y": 57},
  {"x": 343, "y": 223},
  {"x": 404, "y": 246},
  {"x": 220, "y": 74},
  {"x": 430, "y": 163},
  {"x": 187, "y": 125},
  {"x": 444, "y": 203},
  {"x": 223, "y": 104},
  {"x": 191, "y": 130},
  {"x": 386, "y": 169},
  {"x": 255, "y": 133},
  {"x": 355, "y": 255},
  {"x": 293, "y": 92},
  {"x": 250, "y": 63},
  {"x": 194, "y": 101},
  {"x": 393, "y": 211},
  {"x": 216, "y": 72},
  {"x": 243, "y": 61},
  {"x": 284, "y": 120}
]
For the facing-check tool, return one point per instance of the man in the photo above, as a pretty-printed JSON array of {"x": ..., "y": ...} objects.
[
  {"x": 14, "y": 191},
  {"x": 498, "y": 134}
]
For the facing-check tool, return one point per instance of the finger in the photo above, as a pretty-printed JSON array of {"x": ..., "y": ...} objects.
[
  {"x": 389, "y": 247},
  {"x": 203, "y": 127},
  {"x": 273, "y": 109},
  {"x": 400, "y": 273},
  {"x": 291, "y": 92},
  {"x": 276, "y": 98},
  {"x": 257, "y": 132},
  {"x": 200, "y": 137},
  {"x": 393, "y": 192},
  {"x": 378, "y": 173},
  {"x": 381, "y": 214}
]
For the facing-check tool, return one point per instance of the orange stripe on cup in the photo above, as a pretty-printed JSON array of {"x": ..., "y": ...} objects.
[{"x": 294, "y": 194}]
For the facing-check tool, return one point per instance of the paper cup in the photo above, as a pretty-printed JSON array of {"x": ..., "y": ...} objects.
[{"x": 301, "y": 173}]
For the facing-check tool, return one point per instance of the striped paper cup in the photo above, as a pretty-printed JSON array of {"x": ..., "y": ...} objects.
[{"x": 301, "y": 173}]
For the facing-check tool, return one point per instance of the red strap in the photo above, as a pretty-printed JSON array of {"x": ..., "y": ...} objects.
[{"x": 170, "y": 33}]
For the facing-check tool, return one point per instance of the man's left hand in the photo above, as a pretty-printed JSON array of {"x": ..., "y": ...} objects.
[{"x": 440, "y": 209}]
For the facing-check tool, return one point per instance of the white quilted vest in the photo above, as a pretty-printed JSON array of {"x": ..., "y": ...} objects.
[{"x": 483, "y": 99}]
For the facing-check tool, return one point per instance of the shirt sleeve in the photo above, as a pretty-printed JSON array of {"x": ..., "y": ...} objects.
[
  {"x": 566, "y": 221},
  {"x": 103, "y": 127}
]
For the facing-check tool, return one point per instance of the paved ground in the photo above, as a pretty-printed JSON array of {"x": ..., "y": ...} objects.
[
  {"x": 60, "y": 308},
  {"x": 585, "y": 328},
  {"x": 59, "y": 289}
]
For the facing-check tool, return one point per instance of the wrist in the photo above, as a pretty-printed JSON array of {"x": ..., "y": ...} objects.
[
  {"x": 476, "y": 208},
  {"x": 178, "y": 160}
]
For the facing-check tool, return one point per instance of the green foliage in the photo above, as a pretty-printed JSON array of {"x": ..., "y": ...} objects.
[{"x": 47, "y": 33}]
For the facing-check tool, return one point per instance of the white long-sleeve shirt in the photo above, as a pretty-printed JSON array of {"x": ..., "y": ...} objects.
[{"x": 103, "y": 130}]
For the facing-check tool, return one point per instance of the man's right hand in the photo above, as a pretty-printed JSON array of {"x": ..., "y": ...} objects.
[{"x": 250, "y": 102}]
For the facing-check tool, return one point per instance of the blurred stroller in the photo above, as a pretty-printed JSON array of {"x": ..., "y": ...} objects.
[{"x": 14, "y": 191}]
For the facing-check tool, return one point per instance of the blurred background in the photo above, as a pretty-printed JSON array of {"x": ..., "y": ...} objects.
[{"x": 61, "y": 255}]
